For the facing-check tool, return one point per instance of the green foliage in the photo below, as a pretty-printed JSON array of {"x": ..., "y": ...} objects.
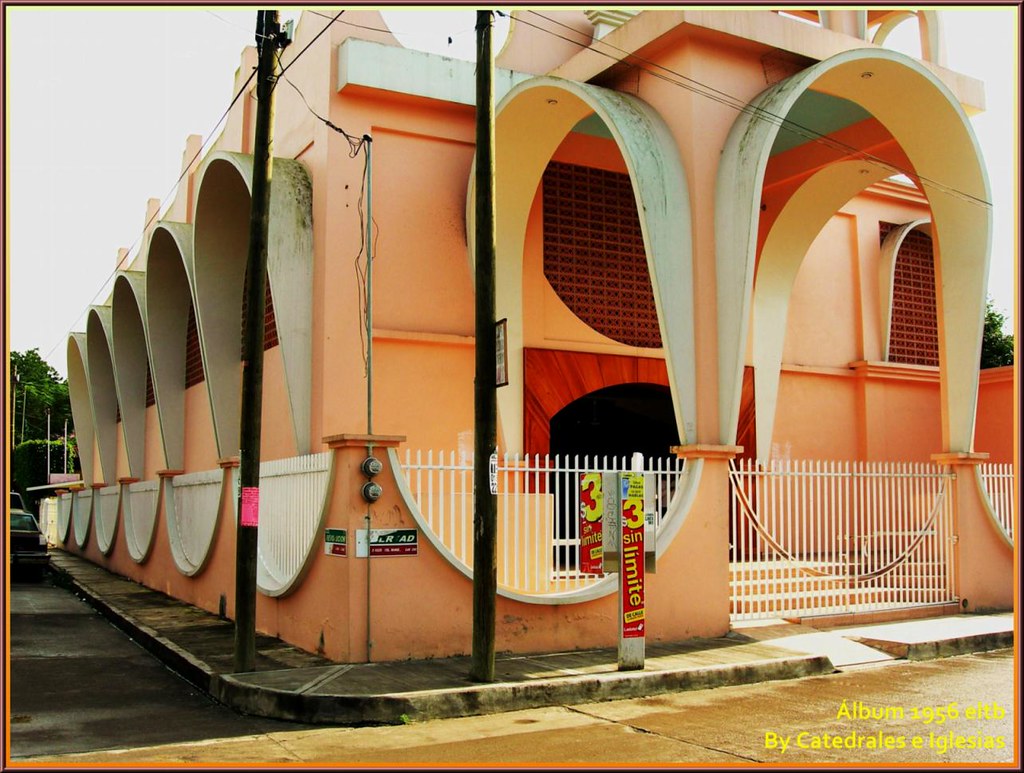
[
  {"x": 37, "y": 388},
  {"x": 28, "y": 465},
  {"x": 996, "y": 346}
]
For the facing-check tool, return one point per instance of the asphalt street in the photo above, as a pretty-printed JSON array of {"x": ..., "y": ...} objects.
[
  {"x": 77, "y": 689},
  {"x": 78, "y": 684}
]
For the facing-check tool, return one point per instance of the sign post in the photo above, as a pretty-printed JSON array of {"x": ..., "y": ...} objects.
[{"x": 632, "y": 596}]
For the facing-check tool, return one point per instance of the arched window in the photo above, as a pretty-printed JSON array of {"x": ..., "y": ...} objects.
[{"x": 913, "y": 329}]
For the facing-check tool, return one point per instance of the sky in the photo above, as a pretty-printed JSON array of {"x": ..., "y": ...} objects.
[{"x": 100, "y": 101}]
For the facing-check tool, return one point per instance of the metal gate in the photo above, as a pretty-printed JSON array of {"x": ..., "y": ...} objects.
[{"x": 814, "y": 538}]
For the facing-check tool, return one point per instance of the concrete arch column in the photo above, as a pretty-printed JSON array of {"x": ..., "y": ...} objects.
[
  {"x": 103, "y": 388},
  {"x": 81, "y": 403},
  {"x": 936, "y": 137},
  {"x": 131, "y": 358},
  {"x": 530, "y": 123},
  {"x": 220, "y": 247},
  {"x": 169, "y": 269}
]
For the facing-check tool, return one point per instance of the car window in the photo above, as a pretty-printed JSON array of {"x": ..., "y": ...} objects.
[
  {"x": 16, "y": 503},
  {"x": 23, "y": 522}
]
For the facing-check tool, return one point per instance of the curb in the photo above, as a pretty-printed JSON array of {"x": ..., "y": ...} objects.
[
  {"x": 397, "y": 708},
  {"x": 944, "y": 648}
]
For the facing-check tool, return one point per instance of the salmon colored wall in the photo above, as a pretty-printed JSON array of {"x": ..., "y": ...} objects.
[
  {"x": 985, "y": 563},
  {"x": 200, "y": 447},
  {"x": 277, "y": 435},
  {"x": 823, "y": 317},
  {"x": 902, "y": 420},
  {"x": 154, "y": 445},
  {"x": 423, "y": 389},
  {"x": 422, "y": 279},
  {"x": 993, "y": 432},
  {"x": 816, "y": 416}
]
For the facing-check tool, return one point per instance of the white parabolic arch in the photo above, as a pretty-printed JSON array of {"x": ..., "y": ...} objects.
[
  {"x": 530, "y": 123},
  {"x": 220, "y": 245},
  {"x": 936, "y": 136}
]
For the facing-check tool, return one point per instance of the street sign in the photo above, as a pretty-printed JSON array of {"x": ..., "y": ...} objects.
[
  {"x": 336, "y": 542},
  {"x": 394, "y": 542}
]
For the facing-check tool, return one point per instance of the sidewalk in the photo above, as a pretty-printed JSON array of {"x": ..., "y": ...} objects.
[{"x": 291, "y": 684}]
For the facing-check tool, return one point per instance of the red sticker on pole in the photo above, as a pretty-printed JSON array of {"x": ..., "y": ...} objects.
[
  {"x": 591, "y": 512},
  {"x": 631, "y": 574},
  {"x": 250, "y": 506}
]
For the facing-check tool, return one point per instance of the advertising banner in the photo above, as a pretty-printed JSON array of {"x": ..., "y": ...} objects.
[
  {"x": 631, "y": 573},
  {"x": 591, "y": 512}
]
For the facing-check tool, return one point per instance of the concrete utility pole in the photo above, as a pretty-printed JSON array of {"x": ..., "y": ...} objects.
[
  {"x": 269, "y": 39},
  {"x": 485, "y": 577}
]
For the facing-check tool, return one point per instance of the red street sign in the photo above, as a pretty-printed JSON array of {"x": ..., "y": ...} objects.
[
  {"x": 591, "y": 511},
  {"x": 631, "y": 572}
]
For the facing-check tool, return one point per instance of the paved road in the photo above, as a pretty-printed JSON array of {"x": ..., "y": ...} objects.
[
  {"x": 78, "y": 684},
  {"x": 728, "y": 726}
]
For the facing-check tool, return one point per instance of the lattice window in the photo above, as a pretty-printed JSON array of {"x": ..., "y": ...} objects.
[
  {"x": 194, "y": 373},
  {"x": 150, "y": 394},
  {"x": 913, "y": 331},
  {"x": 269, "y": 320},
  {"x": 594, "y": 254}
]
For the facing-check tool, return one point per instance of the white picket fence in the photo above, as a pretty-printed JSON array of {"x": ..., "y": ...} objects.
[
  {"x": 139, "y": 505},
  {"x": 999, "y": 484},
  {"x": 812, "y": 537},
  {"x": 106, "y": 510},
  {"x": 538, "y": 512},
  {"x": 64, "y": 517},
  {"x": 293, "y": 501},
  {"x": 81, "y": 515},
  {"x": 192, "y": 506}
]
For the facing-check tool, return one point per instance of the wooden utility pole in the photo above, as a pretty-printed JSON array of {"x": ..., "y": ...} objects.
[
  {"x": 268, "y": 40},
  {"x": 485, "y": 577}
]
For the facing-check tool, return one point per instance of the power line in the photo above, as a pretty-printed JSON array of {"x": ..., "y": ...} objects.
[{"x": 723, "y": 98}]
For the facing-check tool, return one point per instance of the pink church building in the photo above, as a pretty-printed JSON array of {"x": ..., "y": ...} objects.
[{"x": 752, "y": 246}]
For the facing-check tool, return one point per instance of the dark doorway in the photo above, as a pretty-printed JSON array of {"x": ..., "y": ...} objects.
[
  {"x": 617, "y": 421},
  {"x": 611, "y": 422}
]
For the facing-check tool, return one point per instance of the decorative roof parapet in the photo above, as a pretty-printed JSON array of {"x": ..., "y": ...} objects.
[{"x": 607, "y": 19}]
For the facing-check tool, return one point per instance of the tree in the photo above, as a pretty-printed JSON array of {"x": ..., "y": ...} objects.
[
  {"x": 37, "y": 388},
  {"x": 996, "y": 346},
  {"x": 28, "y": 465}
]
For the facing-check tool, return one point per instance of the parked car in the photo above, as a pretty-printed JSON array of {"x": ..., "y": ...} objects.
[{"x": 27, "y": 543}]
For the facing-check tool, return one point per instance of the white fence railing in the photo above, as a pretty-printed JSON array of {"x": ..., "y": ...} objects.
[
  {"x": 811, "y": 537},
  {"x": 999, "y": 484},
  {"x": 81, "y": 515},
  {"x": 293, "y": 500},
  {"x": 139, "y": 510},
  {"x": 192, "y": 506},
  {"x": 538, "y": 512},
  {"x": 106, "y": 509},
  {"x": 64, "y": 517}
]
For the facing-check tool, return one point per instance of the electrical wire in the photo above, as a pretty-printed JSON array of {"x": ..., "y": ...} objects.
[
  {"x": 209, "y": 136},
  {"x": 156, "y": 214}
]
